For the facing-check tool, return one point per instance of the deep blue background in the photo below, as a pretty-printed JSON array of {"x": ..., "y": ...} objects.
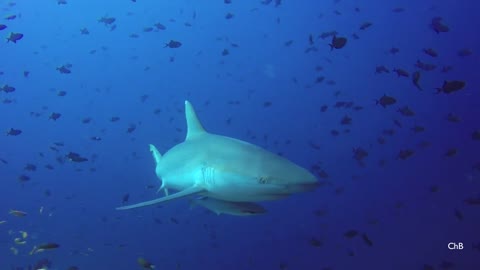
[{"x": 408, "y": 225}]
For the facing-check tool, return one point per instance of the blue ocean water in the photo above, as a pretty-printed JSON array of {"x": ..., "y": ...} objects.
[{"x": 397, "y": 190}]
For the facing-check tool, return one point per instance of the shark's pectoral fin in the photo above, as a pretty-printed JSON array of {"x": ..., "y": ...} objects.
[{"x": 181, "y": 194}]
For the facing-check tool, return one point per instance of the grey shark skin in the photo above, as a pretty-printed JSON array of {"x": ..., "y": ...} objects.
[{"x": 225, "y": 169}]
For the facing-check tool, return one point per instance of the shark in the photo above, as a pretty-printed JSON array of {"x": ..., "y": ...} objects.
[{"x": 224, "y": 168}]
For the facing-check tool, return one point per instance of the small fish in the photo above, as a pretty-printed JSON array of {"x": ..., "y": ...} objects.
[
  {"x": 338, "y": 42},
  {"x": 417, "y": 129},
  {"x": 114, "y": 119},
  {"x": 462, "y": 53},
  {"x": 458, "y": 214},
  {"x": 64, "y": 69},
  {"x": 451, "y": 86},
  {"x": 350, "y": 234},
  {"x": 446, "y": 69},
  {"x": 401, "y": 72},
  {"x": 160, "y": 26},
  {"x": 346, "y": 120},
  {"x": 430, "y": 51},
  {"x": 385, "y": 101},
  {"x": 476, "y": 135},
  {"x": 451, "y": 117},
  {"x": 173, "y": 44},
  {"x": 416, "y": 79},
  {"x": 17, "y": 213},
  {"x": 472, "y": 201},
  {"x": 131, "y": 128},
  {"x": 451, "y": 152},
  {"x": 14, "y": 132},
  {"x": 438, "y": 26},
  {"x": 84, "y": 31},
  {"x": 107, "y": 20},
  {"x": 2, "y": 27},
  {"x": 95, "y": 138},
  {"x": 72, "y": 156},
  {"x": 14, "y": 37},
  {"x": 19, "y": 241},
  {"x": 2, "y": 221},
  {"x": 405, "y": 154},
  {"x": 365, "y": 25},
  {"x": 44, "y": 247},
  {"x": 86, "y": 120},
  {"x": 394, "y": 50},
  {"x": 23, "y": 178},
  {"x": 125, "y": 197},
  {"x": 406, "y": 111},
  {"x": 54, "y": 116},
  {"x": 381, "y": 69},
  {"x": 425, "y": 66},
  {"x": 367, "y": 240},
  {"x": 359, "y": 153},
  {"x": 7, "y": 88},
  {"x": 314, "y": 242}
]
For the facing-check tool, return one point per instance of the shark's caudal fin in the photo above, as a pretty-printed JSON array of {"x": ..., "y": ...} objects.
[
  {"x": 194, "y": 127},
  {"x": 178, "y": 195}
]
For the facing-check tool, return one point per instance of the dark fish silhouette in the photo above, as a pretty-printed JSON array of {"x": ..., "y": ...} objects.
[
  {"x": 438, "y": 26},
  {"x": 173, "y": 44},
  {"x": 451, "y": 86},
  {"x": 2, "y": 27},
  {"x": 107, "y": 20},
  {"x": 386, "y": 101},
  {"x": 14, "y": 132},
  {"x": 431, "y": 52},
  {"x": 416, "y": 79},
  {"x": 406, "y": 111},
  {"x": 365, "y": 25},
  {"x": 381, "y": 69},
  {"x": 54, "y": 116},
  {"x": 7, "y": 88},
  {"x": 401, "y": 72},
  {"x": 338, "y": 42},
  {"x": 14, "y": 37},
  {"x": 72, "y": 156},
  {"x": 404, "y": 154},
  {"x": 425, "y": 66},
  {"x": 65, "y": 69},
  {"x": 160, "y": 26}
]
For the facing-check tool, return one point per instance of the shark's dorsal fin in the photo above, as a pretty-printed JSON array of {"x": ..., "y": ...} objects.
[{"x": 194, "y": 127}]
